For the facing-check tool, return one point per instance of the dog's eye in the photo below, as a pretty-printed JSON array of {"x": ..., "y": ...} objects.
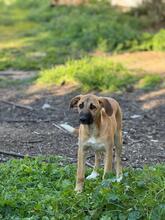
[
  {"x": 92, "y": 106},
  {"x": 81, "y": 105}
]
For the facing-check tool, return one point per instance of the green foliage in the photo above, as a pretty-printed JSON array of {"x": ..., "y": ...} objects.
[
  {"x": 98, "y": 73},
  {"x": 155, "y": 42},
  {"x": 36, "y": 36},
  {"x": 149, "y": 81},
  {"x": 33, "y": 189}
]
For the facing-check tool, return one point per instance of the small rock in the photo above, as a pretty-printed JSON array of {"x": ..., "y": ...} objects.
[
  {"x": 124, "y": 159},
  {"x": 46, "y": 106},
  {"x": 135, "y": 116},
  {"x": 132, "y": 131},
  {"x": 154, "y": 140}
]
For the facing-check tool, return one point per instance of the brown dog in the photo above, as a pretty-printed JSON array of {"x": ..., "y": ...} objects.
[{"x": 100, "y": 129}]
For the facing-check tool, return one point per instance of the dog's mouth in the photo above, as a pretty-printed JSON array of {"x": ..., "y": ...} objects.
[{"x": 86, "y": 118}]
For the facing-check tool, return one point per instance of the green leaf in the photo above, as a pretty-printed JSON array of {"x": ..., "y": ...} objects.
[{"x": 134, "y": 215}]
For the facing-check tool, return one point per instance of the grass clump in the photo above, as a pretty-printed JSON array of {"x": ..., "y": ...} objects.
[
  {"x": 149, "y": 81},
  {"x": 33, "y": 189},
  {"x": 97, "y": 73},
  {"x": 91, "y": 73}
]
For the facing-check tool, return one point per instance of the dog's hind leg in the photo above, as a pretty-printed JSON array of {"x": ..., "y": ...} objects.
[
  {"x": 118, "y": 145},
  {"x": 94, "y": 173},
  {"x": 118, "y": 151}
]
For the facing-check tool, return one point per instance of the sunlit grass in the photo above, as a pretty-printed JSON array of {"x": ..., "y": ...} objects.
[
  {"x": 13, "y": 43},
  {"x": 98, "y": 73},
  {"x": 149, "y": 81}
]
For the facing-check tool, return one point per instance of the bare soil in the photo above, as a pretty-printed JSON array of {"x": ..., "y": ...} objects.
[
  {"x": 151, "y": 62},
  {"x": 34, "y": 132}
]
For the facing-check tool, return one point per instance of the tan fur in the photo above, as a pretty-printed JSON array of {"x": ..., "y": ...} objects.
[{"x": 105, "y": 130}]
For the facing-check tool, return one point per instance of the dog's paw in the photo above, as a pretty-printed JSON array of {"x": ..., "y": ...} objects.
[
  {"x": 78, "y": 189},
  {"x": 119, "y": 179},
  {"x": 93, "y": 175},
  {"x": 67, "y": 128}
]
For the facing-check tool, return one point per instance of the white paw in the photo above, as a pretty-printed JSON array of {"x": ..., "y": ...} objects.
[
  {"x": 93, "y": 175},
  {"x": 119, "y": 179},
  {"x": 67, "y": 127}
]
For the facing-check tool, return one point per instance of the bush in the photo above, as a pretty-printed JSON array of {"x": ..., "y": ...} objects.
[
  {"x": 155, "y": 42},
  {"x": 33, "y": 189},
  {"x": 91, "y": 73},
  {"x": 97, "y": 73}
]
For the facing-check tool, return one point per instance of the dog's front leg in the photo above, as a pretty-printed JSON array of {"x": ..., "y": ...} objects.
[
  {"x": 94, "y": 173},
  {"x": 108, "y": 160},
  {"x": 80, "y": 170}
]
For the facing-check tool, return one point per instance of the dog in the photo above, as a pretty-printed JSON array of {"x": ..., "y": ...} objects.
[{"x": 100, "y": 130}]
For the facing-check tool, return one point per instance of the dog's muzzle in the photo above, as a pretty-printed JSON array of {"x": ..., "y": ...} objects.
[{"x": 86, "y": 118}]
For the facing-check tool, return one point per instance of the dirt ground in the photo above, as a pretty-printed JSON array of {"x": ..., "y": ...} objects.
[{"x": 34, "y": 132}]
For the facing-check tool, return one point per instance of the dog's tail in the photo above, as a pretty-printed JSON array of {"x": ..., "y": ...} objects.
[
  {"x": 119, "y": 118},
  {"x": 70, "y": 129}
]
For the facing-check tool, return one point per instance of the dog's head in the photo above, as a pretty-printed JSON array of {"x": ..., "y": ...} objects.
[{"x": 89, "y": 107}]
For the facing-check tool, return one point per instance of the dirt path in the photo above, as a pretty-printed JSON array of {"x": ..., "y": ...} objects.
[
  {"x": 33, "y": 131},
  {"x": 152, "y": 62}
]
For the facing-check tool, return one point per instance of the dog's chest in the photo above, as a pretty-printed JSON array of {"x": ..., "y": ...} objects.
[{"x": 95, "y": 144}]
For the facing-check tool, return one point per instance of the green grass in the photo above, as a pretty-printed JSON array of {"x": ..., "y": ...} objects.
[
  {"x": 35, "y": 36},
  {"x": 149, "y": 81},
  {"x": 33, "y": 190},
  {"x": 97, "y": 73},
  {"x": 150, "y": 42}
]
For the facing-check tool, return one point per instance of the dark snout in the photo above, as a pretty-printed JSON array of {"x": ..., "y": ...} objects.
[{"x": 86, "y": 118}]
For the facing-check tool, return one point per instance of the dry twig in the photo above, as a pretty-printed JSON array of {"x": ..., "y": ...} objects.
[
  {"x": 14, "y": 154},
  {"x": 17, "y": 105}
]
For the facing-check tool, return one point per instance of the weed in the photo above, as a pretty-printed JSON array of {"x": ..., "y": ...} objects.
[{"x": 34, "y": 189}]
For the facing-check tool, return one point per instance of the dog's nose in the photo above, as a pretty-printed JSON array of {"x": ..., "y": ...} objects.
[{"x": 85, "y": 118}]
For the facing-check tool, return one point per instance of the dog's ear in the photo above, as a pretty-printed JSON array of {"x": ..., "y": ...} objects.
[
  {"x": 74, "y": 101},
  {"x": 106, "y": 105}
]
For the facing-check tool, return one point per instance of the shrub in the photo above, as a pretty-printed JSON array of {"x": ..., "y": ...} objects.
[
  {"x": 148, "y": 41},
  {"x": 91, "y": 73}
]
